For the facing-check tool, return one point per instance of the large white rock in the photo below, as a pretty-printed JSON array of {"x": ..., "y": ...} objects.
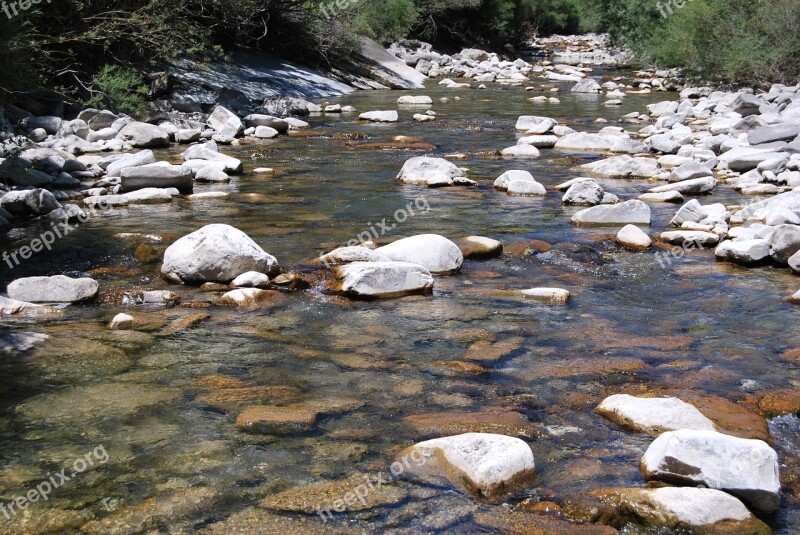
[
  {"x": 410, "y": 100},
  {"x": 585, "y": 141},
  {"x": 784, "y": 243},
  {"x": 743, "y": 251},
  {"x": 623, "y": 167},
  {"x": 680, "y": 509},
  {"x": 633, "y": 237},
  {"x": 794, "y": 262},
  {"x": 389, "y": 116},
  {"x": 250, "y": 279},
  {"x": 539, "y": 141},
  {"x": 435, "y": 253},
  {"x": 202, "y": 155},
  {"x": 382, "y": 279},
  {"x": 743, "y": 467},
  {"x": 558, "y": 296},
  {"x": 521, "y": 151},
  {"x": 56, "y": 289},
  {"x": 584, "y": 192},
  {"x": 693, "y": 186},
  {"x": 506, "y": 178},
  {"x": 535, "y": 125},
  {"x": 433, "y": 172},
  {"x": 485, "y": 465},
  {"x": 225, "y": 122},
  {"x": 698, "y": 237},
  {"x": 216, "y": 253},
  {"x": 144, "y": 135},
  {"x": 633, "y": 212},
  {"x": 265, "y": 132},
  {"x": 143, "y": 157},
  {"x": 653, "y": 415},
  {"x": 760, "y": 210},
  {"x": 587, "y": 86},
  {"x": 353, "y": 253},
  {"x": 526, "y": 188}
]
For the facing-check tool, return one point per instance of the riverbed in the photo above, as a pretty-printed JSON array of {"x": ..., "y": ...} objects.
[{"x": 689, "y": 326}]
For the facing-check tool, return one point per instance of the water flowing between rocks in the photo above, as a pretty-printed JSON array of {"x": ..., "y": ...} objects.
[{"x": 383, "y": 370}]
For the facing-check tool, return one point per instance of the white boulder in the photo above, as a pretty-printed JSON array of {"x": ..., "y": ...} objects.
[
  {"x": 743, "y": 467},
  {"x": 216, "y": 253}
]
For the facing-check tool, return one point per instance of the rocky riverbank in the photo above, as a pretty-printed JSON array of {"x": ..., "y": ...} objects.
[{"x": 469, "y": 423}]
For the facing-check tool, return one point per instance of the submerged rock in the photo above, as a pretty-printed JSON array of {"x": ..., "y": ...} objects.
[
  {"x": 487, "y": 466},
  {"x": 743, "y": 467},
  {"x": 653, "y": 415},
  {"x": 292, "y": 419},
  {"x": 154, "y": 512},
  {"x": 216, "y": 253},
  {"x": 356, "y": 493}
]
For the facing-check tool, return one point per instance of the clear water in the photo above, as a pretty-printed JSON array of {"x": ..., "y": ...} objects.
[{"x": 631, "y": 325}]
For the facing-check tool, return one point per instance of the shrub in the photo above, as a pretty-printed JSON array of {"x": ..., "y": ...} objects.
[{"x": 119, "y": 88}]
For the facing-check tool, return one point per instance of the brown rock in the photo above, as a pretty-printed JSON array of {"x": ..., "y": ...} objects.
[
  {"x": 444, "y": 424},
  {"x": 154, "y": 512},
  {"x": 510, "y": 522},
  {"x": 731, "y": 418},
  {"x": 792, "y": 354},
  {"x": 185, "y": 322},
  {"x": 331, "y": 497},
  {"x": 780, "y": 402},
  {"x": 291, "y": 419},
  {"x": 461, "y": 366},
  {"x": 584, "y": 366},
  {"x": 231, "y": 397},
  {"x": 489, "y": 351},
  {"x": 531, "y": 247},
  {"x": 146, "y": 253},
  {"x": 254, "y": 521},
  {"x": 216, "y": 382},
  {"x": 549, "y": 508}
]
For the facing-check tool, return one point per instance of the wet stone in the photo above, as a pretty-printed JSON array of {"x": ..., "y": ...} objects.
[
  {"x": 155, "y": 513},
  {"x": 440, "y": 424},
  {"x": 513, "y": 522},
  {"x": 291, "y": 419},
  {"x": 342, "y": 496},
  {"x": 254, "y": 521},
  {"x": 231, "y": 397}
]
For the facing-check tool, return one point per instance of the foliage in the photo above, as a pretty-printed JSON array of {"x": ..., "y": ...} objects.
[{"x": 119, "y": 88}]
